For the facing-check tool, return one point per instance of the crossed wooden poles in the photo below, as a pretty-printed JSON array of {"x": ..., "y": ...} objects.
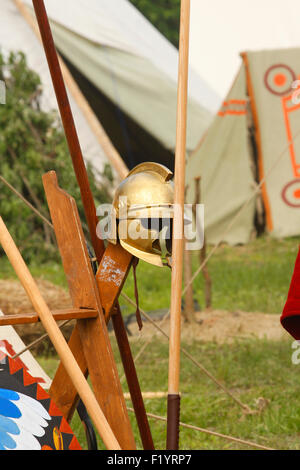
[{"x": 95, "y": 298}]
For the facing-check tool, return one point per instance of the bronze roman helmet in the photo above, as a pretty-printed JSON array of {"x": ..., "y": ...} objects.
[{"x": 143, "y": 206}]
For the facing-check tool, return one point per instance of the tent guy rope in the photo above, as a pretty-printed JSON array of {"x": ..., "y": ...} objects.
[{"x": 212, "y": 433}]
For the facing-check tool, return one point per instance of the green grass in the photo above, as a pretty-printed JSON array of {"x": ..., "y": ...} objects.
[
  {"x": 52, "y": 272},
  {"x": 252, "y": 278},
  {"x": 249, "y": 369}
]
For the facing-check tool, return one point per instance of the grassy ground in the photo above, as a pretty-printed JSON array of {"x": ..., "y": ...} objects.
[
  {"x": 253, "y": 278},
  {"x": 250, "y": 369}
]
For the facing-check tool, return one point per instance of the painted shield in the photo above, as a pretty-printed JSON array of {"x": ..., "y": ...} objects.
[{"x": 29, "y": 419}]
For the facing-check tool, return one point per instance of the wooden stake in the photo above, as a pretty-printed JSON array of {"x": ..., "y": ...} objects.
[
  {"x": 189, "y": 309},
  {"x": 207, "y": 278},
  {"x": 57, "y": 339},
  {"x": 178, "y": 236}
]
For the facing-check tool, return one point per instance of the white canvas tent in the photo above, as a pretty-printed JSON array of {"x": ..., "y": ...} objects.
[
  {"x": 254, "y": 140},
  {"x": 19, "y": 33},
  {"x": 124, "y": 67},
  {"x": 255, "y": 121}
]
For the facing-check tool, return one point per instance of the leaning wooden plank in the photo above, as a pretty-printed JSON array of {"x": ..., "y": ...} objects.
[
  {"x": 57, "y": 339},
  {"x": 94, "y": 339},
  {"x": 66, "y": 397}
]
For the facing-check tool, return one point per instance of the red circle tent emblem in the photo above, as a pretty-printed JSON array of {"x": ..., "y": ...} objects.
[
  {"x": 279, "y": 78},
  {"x": 291, "y": 193}
]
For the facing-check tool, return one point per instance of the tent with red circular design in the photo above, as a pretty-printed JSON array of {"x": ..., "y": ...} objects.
[{"x": 253, "y": 140}]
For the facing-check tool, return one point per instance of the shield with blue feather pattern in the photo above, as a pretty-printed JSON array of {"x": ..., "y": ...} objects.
[{"x": 29, "y": 419}]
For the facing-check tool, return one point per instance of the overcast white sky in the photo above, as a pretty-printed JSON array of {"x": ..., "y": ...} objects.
[{"x": 221, "y": 29}]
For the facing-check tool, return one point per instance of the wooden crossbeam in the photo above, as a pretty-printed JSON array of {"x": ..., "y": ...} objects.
[{"x": 58, "y": 315}]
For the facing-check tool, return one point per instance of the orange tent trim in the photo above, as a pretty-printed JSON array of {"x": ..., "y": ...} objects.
[{"x": 265, "y": 196}]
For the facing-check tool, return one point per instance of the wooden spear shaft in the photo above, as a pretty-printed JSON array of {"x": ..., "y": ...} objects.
[
  {"x": 68, "y": 124},
  {"x": 178, "y": 235},
  {"x": 57, "y": 339}
]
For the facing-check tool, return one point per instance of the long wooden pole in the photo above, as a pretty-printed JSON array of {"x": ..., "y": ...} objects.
[
  {"x": 57, "y": 339},
  {"x": 178, "y": 235},
  {"x": 68, "y": 123}
]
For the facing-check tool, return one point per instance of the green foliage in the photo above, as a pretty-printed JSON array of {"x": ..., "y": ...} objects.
[
  {"x": 32, "y": 142},
  {"x": 164, "y": 15}
]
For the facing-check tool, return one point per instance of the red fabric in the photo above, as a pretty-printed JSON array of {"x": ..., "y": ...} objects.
[{"x": 290, "y": 318}]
